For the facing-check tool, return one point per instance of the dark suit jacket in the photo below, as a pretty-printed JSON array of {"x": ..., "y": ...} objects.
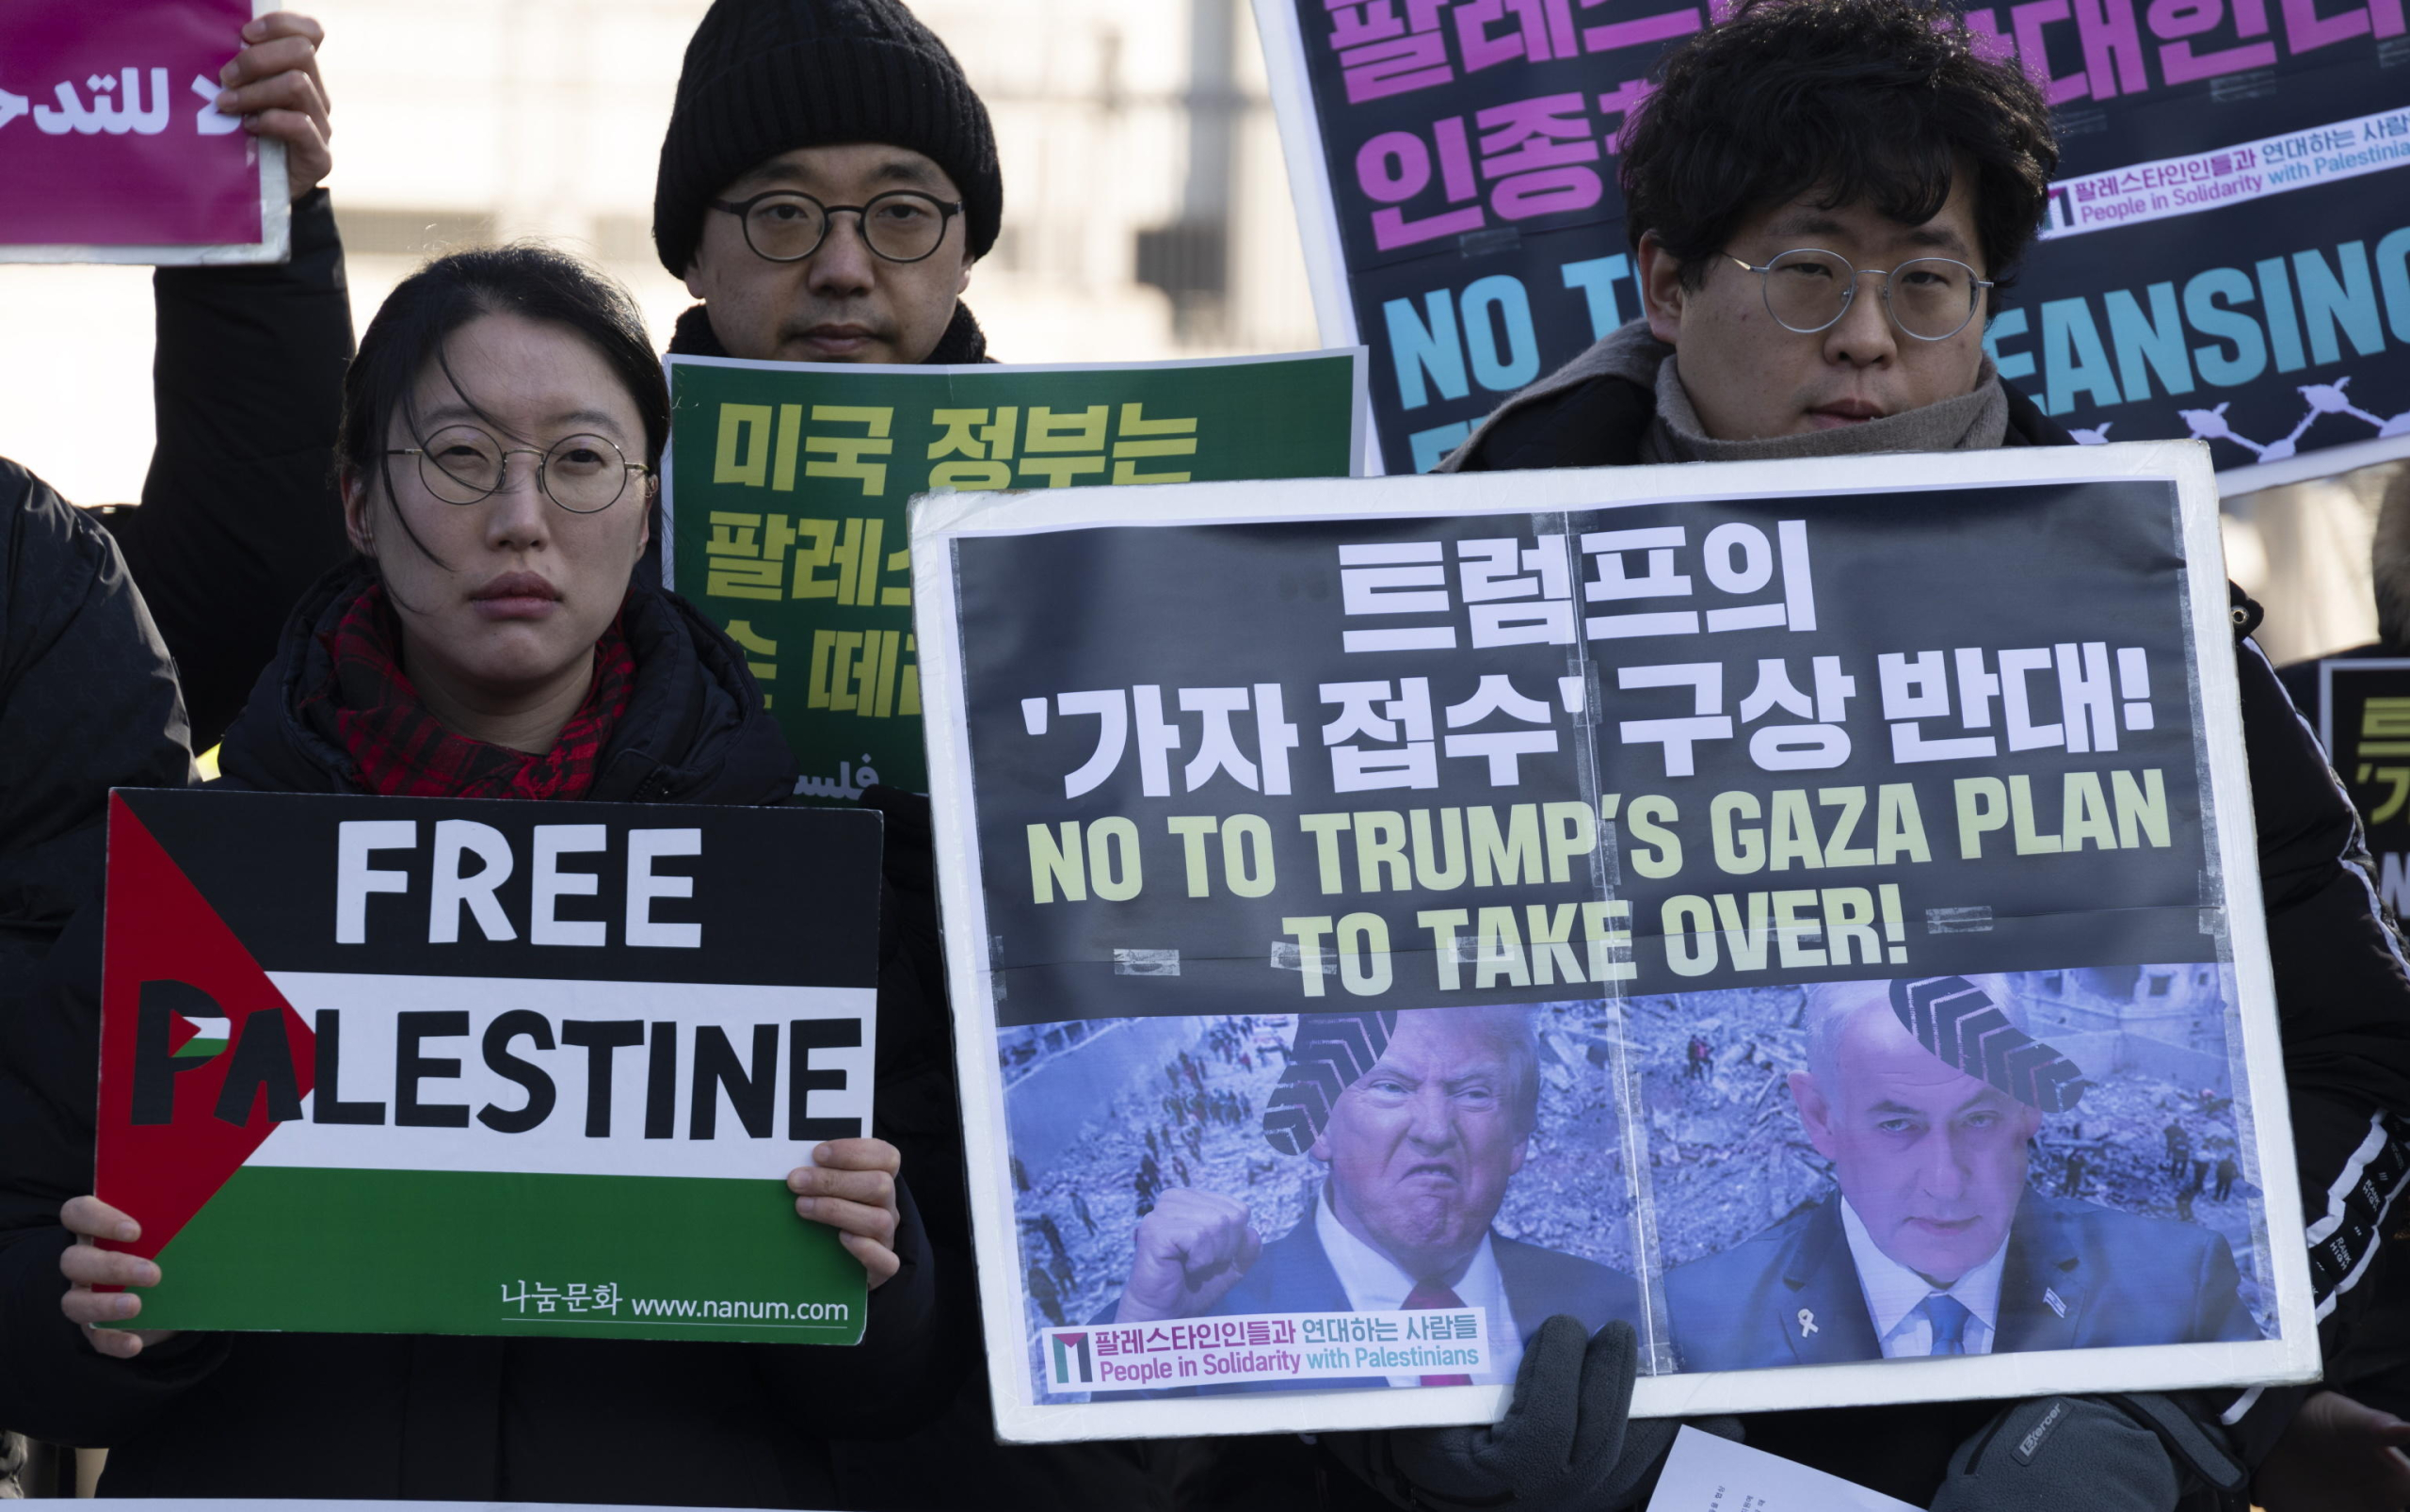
[
  {"x": 2118, "y": 1279},
  {"x": 1294, "y": 1275}
]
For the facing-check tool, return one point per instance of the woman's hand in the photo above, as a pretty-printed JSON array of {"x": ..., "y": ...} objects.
[
  {"x": 852, "y": 1190},
  {"x": 85, "y": 1265},
  {"x": 273, "y": 85}
]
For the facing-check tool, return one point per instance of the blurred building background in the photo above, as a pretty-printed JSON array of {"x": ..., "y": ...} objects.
[
  {"x": 1146, "y": 211},
  {"x": 1146, "y": 215}
]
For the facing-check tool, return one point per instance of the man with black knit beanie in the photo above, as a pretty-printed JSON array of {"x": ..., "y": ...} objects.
[{"x": 826, "y": 182}]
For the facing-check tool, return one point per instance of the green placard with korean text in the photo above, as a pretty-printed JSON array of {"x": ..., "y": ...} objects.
[{"x": 787, "y": 482}]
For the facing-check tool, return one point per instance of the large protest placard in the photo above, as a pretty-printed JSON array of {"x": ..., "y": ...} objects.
[
  {"x": 111, "y": 146},
  {"x": 2226, "y": 255},
  {"x": 436, "y": 1066},
  {"x": 1385, "y": 914},
  {"x": 785, "y": 487}
]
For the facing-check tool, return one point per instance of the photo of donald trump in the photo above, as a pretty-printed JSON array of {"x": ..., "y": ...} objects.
[
  {"x": 1924, "y": 1095},
  {"x": 1421, "y": 1118}
]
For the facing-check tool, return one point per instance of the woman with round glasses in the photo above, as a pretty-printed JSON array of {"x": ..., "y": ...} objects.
[{"x": 502, "y": 425}]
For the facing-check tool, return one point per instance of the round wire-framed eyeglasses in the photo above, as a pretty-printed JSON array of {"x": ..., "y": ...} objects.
[
  {"x": 1808, "y": 289},
  {"x": 582, "y": 473},
  {"x": 788, "y": 225}
]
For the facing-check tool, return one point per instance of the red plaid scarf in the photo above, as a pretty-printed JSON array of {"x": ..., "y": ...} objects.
[{"x": 403, "y": 751}]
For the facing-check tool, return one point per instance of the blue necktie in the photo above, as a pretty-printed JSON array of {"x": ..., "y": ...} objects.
[{"x": 1947, "y": 1316}]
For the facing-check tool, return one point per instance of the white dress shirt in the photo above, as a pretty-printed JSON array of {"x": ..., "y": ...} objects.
[
  {"x": 1895, "y": 1295},
  {"x": 1375, "y": 1283}
]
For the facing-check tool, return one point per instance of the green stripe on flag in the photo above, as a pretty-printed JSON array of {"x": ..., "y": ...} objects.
[{"x": 304, "y": 1249}]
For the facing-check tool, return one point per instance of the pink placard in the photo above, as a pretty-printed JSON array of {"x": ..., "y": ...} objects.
[{"x": 107, "y": 136}]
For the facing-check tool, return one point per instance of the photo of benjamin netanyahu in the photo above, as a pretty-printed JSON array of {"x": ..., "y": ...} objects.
[{"x": 1925, "y": 1095}]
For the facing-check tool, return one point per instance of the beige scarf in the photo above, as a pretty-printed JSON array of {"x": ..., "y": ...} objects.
[{"x": 1976, "y": 420}]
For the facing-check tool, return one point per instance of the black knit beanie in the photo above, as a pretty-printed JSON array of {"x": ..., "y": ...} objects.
[{"x": 766, "y": 76}]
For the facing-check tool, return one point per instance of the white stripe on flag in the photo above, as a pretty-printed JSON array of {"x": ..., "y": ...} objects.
[{"x": 370, "y": 1006}]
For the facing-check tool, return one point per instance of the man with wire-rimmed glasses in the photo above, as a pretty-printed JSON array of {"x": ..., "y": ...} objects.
[
  {"x": 1817, "y": 244},
  {"x": 828, "y": 181},
  {"x": 1824, "y": 198}
]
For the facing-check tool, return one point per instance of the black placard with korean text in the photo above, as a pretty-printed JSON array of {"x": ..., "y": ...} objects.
[
  {"x": 2223, "y": 253},
  {"x": 1653, "y": 747}
]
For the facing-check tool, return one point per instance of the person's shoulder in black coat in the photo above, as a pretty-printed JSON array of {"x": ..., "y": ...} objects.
[{"x": 88, "y": 701}]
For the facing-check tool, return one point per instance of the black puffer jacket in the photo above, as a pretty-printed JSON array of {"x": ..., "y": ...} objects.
[
  {"x": 694, "y": 730},
  {"x": 239, "y": 511},
  {"x": 355, "y": 1416},
  {"x": 2342, "y": 984},
  {"x": 88, "y": 702},
  {"x": 239, "y": 514}
]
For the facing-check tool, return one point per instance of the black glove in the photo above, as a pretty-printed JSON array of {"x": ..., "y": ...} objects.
[
  {"x": 1566, "y": 1444},
  {"x": 2105, "y": 1454}
]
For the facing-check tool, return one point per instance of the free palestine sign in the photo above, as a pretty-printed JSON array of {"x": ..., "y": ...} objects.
[{"x": 433, "y": 1066}]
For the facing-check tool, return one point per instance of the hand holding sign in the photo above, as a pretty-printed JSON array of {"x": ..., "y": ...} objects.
[
  {"x": 852, "y": 1190},
  {"x": 273, "y": 85},
  {"x": 1191, "y": 1250},
  {"x": 85, "y": 1265}
]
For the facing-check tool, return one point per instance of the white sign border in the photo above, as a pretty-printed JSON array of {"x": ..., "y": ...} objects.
[
  {"x": 276, "y": 222},
  {"x": 937, "y": 519}
]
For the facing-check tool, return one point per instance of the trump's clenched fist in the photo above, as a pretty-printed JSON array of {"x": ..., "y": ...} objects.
[{"x": 1191, "y": 1249}]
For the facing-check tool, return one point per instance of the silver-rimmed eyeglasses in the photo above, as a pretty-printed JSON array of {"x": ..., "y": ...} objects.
[
  {"x": 582, "y": 473},
  {"x": 787, "y": 225},
  {"x": 1808, "y": 289}
]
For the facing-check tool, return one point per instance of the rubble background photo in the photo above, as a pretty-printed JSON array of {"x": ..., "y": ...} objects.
[
  {"x": 1105, "y": 1115},
  {"x": 2158, "y": 1132}
]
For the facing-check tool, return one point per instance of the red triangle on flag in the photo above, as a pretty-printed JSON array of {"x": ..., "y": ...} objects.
[{"x": 159, "y": 928}]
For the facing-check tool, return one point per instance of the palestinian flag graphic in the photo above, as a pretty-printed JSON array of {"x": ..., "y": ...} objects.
[{"x": 427, "y": 1066}]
